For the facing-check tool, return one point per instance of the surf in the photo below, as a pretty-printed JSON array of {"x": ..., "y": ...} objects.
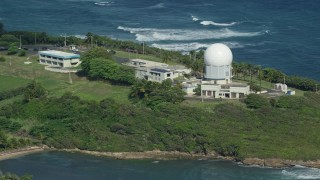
[{"x": 154, "y": 34}]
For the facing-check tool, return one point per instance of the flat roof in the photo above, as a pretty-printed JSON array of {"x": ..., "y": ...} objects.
[
  {"x": 59, "y": 54},
  {"x": 159, "y": 70}
]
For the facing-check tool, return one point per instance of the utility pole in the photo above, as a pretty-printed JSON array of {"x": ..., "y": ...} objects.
[
  {"x": 316, "y": 88},
  {"x": 91, "y": 41},
  {"x": 35, "y": 38},
  {"x": 65, "y": 42},
  {"x": 20, "y": 42},
  {"x": 143, "y": 48},
  {"x": 284, "y": 79},
  {"x": 70, "y": 79}
]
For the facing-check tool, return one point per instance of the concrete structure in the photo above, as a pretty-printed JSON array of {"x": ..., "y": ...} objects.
[
  {"x": 155, "y": 71},
  {"x": 224, "y": 91},
  {"x": 59, "y": 58},
  {"x": 144, "y": 63},
  {"x": 217, "y": 78},
  {"x": 281, "y": 87},
  {"x": 290, "y": 92},
  {"x": 218, "y": 59},
  {"x": 158, "y": 74}
]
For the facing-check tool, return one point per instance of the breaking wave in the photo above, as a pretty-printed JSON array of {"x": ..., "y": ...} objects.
[
  {"x": 302, "y": 173},
  {"x": 186, "y": 47},
  {"x": 157, "y": 6},
  {"x": 104, "y": 3},
  {"x": 153, "y": 34},
  {"x": 194, "y": 18},
  {"x": 207, "y": 23}
]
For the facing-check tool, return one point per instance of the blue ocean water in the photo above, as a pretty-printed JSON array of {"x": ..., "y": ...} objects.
[
  {"x": 60, "y": 165},
  {"x": 275, "y": 33}
]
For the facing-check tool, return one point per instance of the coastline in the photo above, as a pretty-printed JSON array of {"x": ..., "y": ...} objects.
[
  {"x": 164, "y": 155},
  {"x": 14, "y": 153}
]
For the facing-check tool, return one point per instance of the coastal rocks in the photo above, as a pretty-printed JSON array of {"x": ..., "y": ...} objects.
[
  {"x": 280, "y": 163},
  {"x": 253, "y": 161},
  {"x": 156, "y": 154}
]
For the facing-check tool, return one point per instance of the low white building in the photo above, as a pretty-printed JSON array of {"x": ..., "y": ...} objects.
[
  {"x": 59, "y": 58},
  {"x": 156, "y": 71},
  {"x": 156, "y": 74},
  {"x": 281, "y": 87},
  {"x": 217, "y": 82},
  {"x": 144, "y": 63},
  {"x": 224, "y": 91}
]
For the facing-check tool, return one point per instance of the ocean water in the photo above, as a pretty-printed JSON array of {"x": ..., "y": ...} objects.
[
  {"x": 60, "y": 165},
  {"x": 272, "y": 33}
]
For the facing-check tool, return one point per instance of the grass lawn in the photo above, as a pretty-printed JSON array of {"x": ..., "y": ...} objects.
[
  {"x": 9, "y": 82},
  {"x": 20, "y": 74},
  {"x": 266, "y": 85},
  {"x": 123, "y": 54}
]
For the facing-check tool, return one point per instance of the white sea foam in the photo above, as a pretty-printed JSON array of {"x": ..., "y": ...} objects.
[
  {"x": 153, "y": 34},
  {"x": 157, "y": 6},
  {"x": 194, "y": 18},
  {"x": 302, "y": 173},
  {"x": 207, "y": 23},
  {"x": 186, "y": 47},
  {"x": 104, "y": 3},
  {"x": 80, "y": 36}
]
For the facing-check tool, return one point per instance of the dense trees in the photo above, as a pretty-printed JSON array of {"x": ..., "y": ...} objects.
[
  {"x": 154, "y": 93},
  {"x": 256, "y": 101},
  {"x": 34, "y": 90},
  {"x": 1, "y": 28},
  {"x": 227, "y": 128}
]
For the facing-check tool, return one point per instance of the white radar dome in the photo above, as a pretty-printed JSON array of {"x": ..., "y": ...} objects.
[{"x": 218, "y": 55}]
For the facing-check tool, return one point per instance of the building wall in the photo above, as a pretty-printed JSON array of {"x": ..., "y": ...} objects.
[
  {"x": 218, "y": 72},
  {"x": 53, "y": 60}
]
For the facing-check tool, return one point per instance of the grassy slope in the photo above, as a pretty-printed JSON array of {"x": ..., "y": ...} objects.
[
  {"x": 283, "y": 133},
  {"x": 19, "y": 74}
]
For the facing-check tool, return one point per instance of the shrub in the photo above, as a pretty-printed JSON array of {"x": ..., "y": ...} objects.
[
  {"x": 2, "y": 59},
  {"x": 22, "y": 53},
  {"x": 256, "y": 101}
]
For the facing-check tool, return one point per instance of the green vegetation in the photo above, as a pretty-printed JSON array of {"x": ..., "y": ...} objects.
[
  {"x": 10, "y": 176},
  {"x": 154, "y": 94},
  {"x": 228, "y": 128},
  {"x": 37, "y": 106},
  {"x": 20, "y": 74},
  {"x": 97, "y": 65}
]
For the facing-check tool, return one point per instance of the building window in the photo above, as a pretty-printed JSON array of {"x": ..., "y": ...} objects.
[
  {"x": 168, "y": 75},
  {"x": 60, "y": 59}
]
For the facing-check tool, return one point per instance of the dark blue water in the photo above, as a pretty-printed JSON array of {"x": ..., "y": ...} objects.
[
  {"x": 59, "y": 165},
  {"x": 277, "y": 33}
]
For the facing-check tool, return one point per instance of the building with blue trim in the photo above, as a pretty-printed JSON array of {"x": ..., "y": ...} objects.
[{"x": 59, "y": 58}]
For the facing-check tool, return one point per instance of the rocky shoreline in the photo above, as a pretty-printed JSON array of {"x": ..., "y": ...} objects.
[
  {"x": 280, "y": 163},
  {"x": 165, "y": 155}
]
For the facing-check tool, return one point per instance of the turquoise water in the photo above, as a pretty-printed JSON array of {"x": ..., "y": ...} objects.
[
  {"x": 61, "y": 165},
  {"x": 276, "y": 33}
]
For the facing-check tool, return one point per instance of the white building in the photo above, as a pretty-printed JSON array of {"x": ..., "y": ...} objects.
[
  {"x": 144, "y": 63},
  {"x": 281, "y": 87},
  {"x": 218, "y": 60},
  {"x": 217, "y": 82},
  {"x": 59, "y": 58},
  {"x": 156, "y": 71}
]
